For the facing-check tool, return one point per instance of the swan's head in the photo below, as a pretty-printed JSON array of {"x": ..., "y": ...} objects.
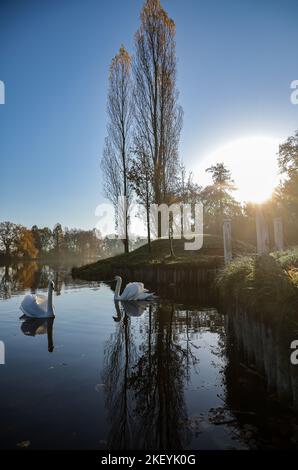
[
  {"x": 52, "y": 285},
  {"x": 118, "y": 278}
]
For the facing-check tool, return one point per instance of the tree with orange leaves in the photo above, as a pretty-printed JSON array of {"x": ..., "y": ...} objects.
[{"x": 25, "y": 244}]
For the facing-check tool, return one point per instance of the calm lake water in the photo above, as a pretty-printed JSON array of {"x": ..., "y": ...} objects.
[{"x": 174, "y": 374}]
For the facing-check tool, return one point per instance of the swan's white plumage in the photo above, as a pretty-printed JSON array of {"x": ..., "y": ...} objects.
[
  {"x": 38, "y": 306},
  {"x": 40, "y": 299},
  {"x": 132, "y": 291}
]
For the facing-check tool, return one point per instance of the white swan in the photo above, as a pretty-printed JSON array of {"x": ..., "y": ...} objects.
[
  {"x": 39, "y": 306},
  {"x": 133, "y": 291}
]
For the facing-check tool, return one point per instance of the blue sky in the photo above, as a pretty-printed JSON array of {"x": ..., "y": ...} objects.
[{"x": 236, "y": 60}]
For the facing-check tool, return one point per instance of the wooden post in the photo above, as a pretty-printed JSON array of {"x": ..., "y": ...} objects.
[
  {"x": 263, "y": 244},
  {"x": 278, "y": 233},
  {"x": 227, "y": 240}
]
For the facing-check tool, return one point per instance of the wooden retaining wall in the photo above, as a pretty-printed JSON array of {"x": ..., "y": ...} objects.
[{"x": 194, "y": 276}]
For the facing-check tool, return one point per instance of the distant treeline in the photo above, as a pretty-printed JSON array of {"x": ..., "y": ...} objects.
[{"x": 17, "y": 241}]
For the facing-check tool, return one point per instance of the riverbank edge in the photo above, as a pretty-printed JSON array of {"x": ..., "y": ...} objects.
[{"x": 159, "y": 272}]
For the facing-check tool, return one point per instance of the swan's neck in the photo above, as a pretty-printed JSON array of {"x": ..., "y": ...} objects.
[
  {"x": 50, "y": 335},
  {"x": 50, "y": 299},
  {"x": 117, "y": 307},
  {"x": 117, "y": 290}
]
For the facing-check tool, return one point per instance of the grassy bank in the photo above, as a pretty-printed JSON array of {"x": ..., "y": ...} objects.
[
  {"x": 264, "y": 285},
  {"x": 209, "y": 257}
]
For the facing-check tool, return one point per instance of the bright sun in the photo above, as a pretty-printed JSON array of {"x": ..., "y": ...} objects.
[{"x": 253, "y": 164}]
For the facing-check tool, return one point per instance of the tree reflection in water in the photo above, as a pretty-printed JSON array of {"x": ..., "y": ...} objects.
[
  {"x": 120, "y": 355},
  {"x": 147, "y": 367},
  {"x": 16, "y": 278},
  {"x": 5, "y": 282}
]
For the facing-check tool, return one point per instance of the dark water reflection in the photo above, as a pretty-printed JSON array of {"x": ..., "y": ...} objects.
[
  {"x": 262, "y": 384},
  {"x": 175, "y": 374},
  {"x": 39, "y": 326}
]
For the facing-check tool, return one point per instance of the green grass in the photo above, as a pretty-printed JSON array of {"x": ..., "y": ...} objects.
[{"x": 210, "y": 256}]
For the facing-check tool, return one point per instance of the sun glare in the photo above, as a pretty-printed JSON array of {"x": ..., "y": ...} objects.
[{"x": 253, "y": 164}]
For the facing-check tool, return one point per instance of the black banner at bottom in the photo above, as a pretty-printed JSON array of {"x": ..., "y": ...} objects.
[{"x": 137, "y": 459}]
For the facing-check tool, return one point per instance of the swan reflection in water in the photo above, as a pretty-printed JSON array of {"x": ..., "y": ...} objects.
[
  {"x": 39, "y": 326},
  {"x": 132, "y": 308}
]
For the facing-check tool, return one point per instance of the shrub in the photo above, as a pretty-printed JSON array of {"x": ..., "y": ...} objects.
[{"x": 258, "y": 284}]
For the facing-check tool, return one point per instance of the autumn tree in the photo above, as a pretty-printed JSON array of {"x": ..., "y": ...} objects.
[
  {"x": 115, "y": 161},
  {"x": 26, "y": 244},
  {"x": 158, "y": 117}
]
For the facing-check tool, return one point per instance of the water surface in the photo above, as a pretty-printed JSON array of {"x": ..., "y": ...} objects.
[{"x": 125, "y": 376}]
